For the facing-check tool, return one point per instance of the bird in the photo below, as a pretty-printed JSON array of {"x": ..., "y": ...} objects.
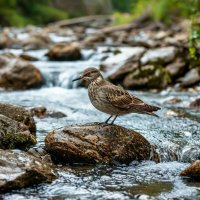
[{"x": 111, "y": 99}]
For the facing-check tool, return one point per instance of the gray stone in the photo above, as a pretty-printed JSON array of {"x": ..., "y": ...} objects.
[
  {"x": 191, "y": 78},
  {"x": 177, "y": 68},
  {"x": 159, "y": 55}
]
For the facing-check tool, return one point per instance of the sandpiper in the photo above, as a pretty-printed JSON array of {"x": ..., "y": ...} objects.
[{"x": 111, "y": 99}]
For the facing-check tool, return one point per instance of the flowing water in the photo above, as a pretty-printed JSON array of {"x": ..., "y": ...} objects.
[{"x": 177, "y": 139}]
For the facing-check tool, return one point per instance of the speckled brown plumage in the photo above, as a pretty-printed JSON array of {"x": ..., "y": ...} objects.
[{"x": 112, "y": 99}]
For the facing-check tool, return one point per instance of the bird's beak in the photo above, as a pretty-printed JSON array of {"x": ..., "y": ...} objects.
[{"x": 76, "y": 79}]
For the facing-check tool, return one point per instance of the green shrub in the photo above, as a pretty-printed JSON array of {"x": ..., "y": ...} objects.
[{"x": 23, "y": 12}]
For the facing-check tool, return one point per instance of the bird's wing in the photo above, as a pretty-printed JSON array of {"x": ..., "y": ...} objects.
[{"x": 118, "y": 97}]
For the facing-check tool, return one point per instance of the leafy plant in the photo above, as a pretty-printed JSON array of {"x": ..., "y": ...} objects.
[{"x": 23, "y": 12}]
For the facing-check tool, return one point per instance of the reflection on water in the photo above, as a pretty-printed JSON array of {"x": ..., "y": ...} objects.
[{"x": 177, "y": 140}]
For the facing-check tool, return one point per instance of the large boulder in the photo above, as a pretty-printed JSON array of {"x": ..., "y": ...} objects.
[
  {"x": 192, "y": 171},
  {"x": 19, "y": 169},
  {"x": 18, "y": 114},
  {"x": 65, "y": 51},
  {"x": 148, "y": 76},
  {"x": 16, "y": 73},
  {"x": 159, "y": 55},
  {"x": 98, "y": 143}
]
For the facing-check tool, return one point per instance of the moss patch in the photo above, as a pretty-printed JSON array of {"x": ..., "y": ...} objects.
[{"x": 21, "y": 140}]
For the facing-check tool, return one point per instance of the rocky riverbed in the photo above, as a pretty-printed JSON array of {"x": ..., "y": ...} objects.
[{"x": 36, "y": 69}]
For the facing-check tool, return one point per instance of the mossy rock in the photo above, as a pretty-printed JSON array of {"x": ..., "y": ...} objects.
[
  {"x": 18, "y": 114},
  {"x": 148, "y": 77},
  {"x": 15, "y": 135},
  {"x": 98, "y": 143}
]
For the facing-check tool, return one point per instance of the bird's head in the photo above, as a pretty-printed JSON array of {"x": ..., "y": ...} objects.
[{"x": 89, "y": 75}]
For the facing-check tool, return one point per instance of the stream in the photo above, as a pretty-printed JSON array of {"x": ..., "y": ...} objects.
[{"x": 177, "y": 139}]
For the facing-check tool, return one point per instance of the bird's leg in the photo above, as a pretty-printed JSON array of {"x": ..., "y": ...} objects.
[
  {"x": 114, "y": 119},
  {"x": 108, "y": 119}
]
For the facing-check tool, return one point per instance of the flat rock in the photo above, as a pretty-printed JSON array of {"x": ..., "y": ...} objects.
[
  {"x": 20, "y": 169},
  {"x": 193, "y": 171},
  {"x": 98, "y": 143},
  {"x": 18, "y": 114},
  {"x": 16, "y": 73},
  {"x": 159, "y": 55},
  {"x": 65, "y": 51}
]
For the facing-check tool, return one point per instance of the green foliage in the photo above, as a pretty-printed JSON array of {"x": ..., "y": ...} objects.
[
  {"x": 164, "y": 10},
  {"x": 194, "y": 38},
  {"x": 124, "y": 5},
  {"x": 121, "y": 18},
  {"x": 23, "y": 12}
]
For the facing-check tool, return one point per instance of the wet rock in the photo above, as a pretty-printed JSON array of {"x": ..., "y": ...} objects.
[
  {"x": 93, "y": 40},
  {"x": 37, "y": 41},
  {"x": 195, "y": 103},
  {"x": 98, "y": 143},
  {"x": 28, "y": 57},
  {"x": 14, "y": 134},
  {"x": 159, "y": 55},
  {"x": 123, "y": 71},
  {"x": 56, "y": 114},
  {"x": 191, "y": 78},
  {"x": 145, "y": 39},
  {"x": 147, "y": 77},
  {"x": 176, "y": 68},
  {"x": 7, "y": 41},
  {"x": 173, "y": 100},
  {"x": 19, "y": 169},
  {"x": 16, "y": 73},
  {"x": 127, "y": 55},
  {"x": 41, "y": 111},
  {"x": 41, "y": 153},
  {"x": 65, "y": 51},
  {"x": 18, "y": 114},
  {"x": 193, "y": 171}
]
